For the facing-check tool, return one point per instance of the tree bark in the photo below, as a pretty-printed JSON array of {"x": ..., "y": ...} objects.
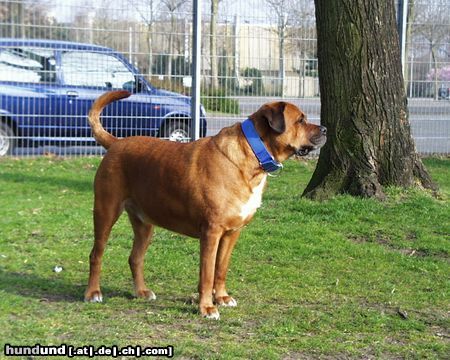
[
  {"x": 282, "y": 67},
  {"x": 149, "y": 43},
  {"x": 435, "y": 75},
  {"x": 213, "y": 45},
  {"x": 171, "y": 51},
  {"x": 364, "y": 104}
]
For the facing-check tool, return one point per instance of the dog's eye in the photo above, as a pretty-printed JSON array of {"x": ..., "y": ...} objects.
[{"x": 301, "y": 120}]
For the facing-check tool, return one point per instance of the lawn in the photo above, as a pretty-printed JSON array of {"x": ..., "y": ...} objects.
[{"x": 345, "y": 278}]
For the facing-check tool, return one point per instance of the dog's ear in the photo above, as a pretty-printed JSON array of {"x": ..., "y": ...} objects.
[{"x": 274, "y": 113}]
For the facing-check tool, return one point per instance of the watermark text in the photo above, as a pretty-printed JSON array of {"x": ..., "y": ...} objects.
[{"x": 87, "y": 350}]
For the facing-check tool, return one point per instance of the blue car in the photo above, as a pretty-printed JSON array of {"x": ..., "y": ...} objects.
[{"x": 47, "y": 88}]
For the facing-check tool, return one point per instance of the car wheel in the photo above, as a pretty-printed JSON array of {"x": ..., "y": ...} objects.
[
  {"x": 177, "y": 130},
  {"x": 7, "y": 141}
]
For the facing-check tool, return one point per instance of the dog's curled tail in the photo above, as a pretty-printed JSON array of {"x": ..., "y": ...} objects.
[{"x": 103, "y": 137}]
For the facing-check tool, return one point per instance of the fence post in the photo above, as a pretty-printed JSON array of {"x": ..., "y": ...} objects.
[
  {"x": 402, "y": 14},
  {"x": 196, "y": 61}
]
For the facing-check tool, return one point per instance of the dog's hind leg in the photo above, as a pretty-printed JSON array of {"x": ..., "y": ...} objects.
[
  {"x": 105, "y": 216},
  {"x": 143, "y": 233}
]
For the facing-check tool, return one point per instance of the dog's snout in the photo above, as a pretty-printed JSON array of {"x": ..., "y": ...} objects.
[{"x": 323, "y": 130}]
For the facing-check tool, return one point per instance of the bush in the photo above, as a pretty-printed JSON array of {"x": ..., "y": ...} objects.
[
  {"x": 216, "y": 100},
  {"x": 180, "y": 67},
  {"x": 254, "y": 76}
]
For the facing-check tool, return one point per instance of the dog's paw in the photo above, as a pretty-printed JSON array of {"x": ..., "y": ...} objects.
[
  {"x": 94, "y": 297},
  {"x": 210, "y": 312},
  {"x": 226, "y": 301},
  {"x": 146, "y": 294}
]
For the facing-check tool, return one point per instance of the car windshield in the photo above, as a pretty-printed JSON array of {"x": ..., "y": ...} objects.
[{"x": 32, "y": 65}]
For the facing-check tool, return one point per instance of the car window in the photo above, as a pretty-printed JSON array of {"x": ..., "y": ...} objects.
[
  {"x": 94, "y": 69},
  {"x": 25, "y": 64}
]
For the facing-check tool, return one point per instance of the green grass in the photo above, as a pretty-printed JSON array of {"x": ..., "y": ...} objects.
[{"x": 312, "y": 279}]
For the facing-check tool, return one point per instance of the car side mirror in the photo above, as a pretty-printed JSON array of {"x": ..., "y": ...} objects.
[
  {"x": 141, "y": 85},
  {"x": 129, "y": 86}
]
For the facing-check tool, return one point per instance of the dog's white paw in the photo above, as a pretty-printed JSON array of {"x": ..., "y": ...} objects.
[
  {"x": 227, "y": 301},
  {"x": 210, "y": 312},
  {"x": 95, "y": 299},
  {"x": 231, "y": 303},
  {"x": 151, "y": 296},
  {"x": 213, "y": 316},
  {"x": 146, "y": 295}
]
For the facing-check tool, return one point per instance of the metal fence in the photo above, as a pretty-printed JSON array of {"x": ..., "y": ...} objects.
[{"x": 252, "y": 52}]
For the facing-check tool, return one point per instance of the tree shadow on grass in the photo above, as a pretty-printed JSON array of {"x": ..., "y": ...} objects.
[{"x": 48, "y": 289}]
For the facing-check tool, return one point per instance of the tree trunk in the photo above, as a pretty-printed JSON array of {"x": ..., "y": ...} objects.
[
  {"x": 282, "y": 63},
  {"x": 149, "y": 39},
  {"x": 435, "y": 75},
  {"x": 170, "y": 54},
  {"x": 236, "y": 50},
  {"x": 364, "y": 104},
  {"x": 213, "y": 45}
]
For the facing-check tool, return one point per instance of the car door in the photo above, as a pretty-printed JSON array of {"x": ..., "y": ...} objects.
[
  {"x": 29, "y": 89},
  {"x": 85, "y": 76}
]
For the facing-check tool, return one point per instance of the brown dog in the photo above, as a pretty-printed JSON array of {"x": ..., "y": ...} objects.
[{"x": 207, "y": 189}]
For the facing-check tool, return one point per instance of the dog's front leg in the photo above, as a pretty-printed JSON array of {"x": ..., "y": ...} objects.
[
  {"x": 226, "y": 246},
  {"x": 209, "y": 242}
]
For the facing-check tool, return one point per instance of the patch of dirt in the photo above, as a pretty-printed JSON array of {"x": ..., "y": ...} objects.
[
  {"x": 384, "y": 240},
  {"x": 435, "y": 320}
]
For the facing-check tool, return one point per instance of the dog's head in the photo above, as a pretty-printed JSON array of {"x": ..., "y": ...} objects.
[{"x": 285, "y": 130}]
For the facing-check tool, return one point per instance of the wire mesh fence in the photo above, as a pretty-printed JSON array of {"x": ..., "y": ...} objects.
[{"x": 56, "y": 57}]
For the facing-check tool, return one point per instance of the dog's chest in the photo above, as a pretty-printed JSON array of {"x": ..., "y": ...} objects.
[{"x": 249, "y": 207}]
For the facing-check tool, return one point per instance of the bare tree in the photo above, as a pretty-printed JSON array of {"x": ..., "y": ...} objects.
[
  {"x": 17, "y": 18},
  {"x": 103, "y": 20},
  {"x": 172, "y": 7},
  {"x": 302, "y": 35},
  {"x": 409, "y": 26},
  {"x": 213, "y": 44},
  {"x": 281, "y": 9},
  {"x": 291, "y": 16},
  {"x": 433, "y": 27},
  {"x": 18, "y": 15},
  {"x": 146, "y": 10}
]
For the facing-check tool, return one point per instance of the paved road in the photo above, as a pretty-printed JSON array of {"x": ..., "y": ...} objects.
[{"x": 430, "y": 120}]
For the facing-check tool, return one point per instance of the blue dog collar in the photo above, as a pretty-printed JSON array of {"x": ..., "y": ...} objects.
[{"x": 267, "y": 162}]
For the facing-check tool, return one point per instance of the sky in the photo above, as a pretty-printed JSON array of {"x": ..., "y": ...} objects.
[{"x": 64, "y": 10}]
